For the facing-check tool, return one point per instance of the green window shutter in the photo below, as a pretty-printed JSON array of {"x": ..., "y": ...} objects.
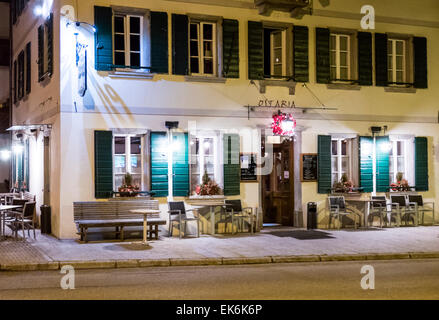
[
  {"x": 180, "y": 166},
  {"x": 364, "y": 58},
  {"x": 322, "y": 55},
  {"x": 230, "y": 48},
  {"x": 232, "y": 170},
  {"x": 366, "y": 164},
  {"x": 421, "y": 164},
  {"x": 324, "y": 172},
  {"x": 180, "y": 40},
  {"x": 103, "y": 38},
  {"x": 381, "y": 60},
  {"x": 159, "y": 42},
  {"x": 420, "y": 62},
  {"x": 103, "y": 164},
  {"x": 50, "y": 44},
  {"x": 28, "y": 68},
  {"x": 20, "y": 75},
  {"x": 300, "y": 52},
  {"x": 382, "y": 164},
  {"x": 255, "y": 50},
  {"x": 159, "y": 163},
  {"x": 40, "y": 52}
]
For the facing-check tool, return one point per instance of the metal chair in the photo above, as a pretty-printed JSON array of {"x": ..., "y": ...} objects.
[
  {"x": 178, "y": 213},
  {"x": 239, "y": 214},
  {"x": 410, "y": 208},
  {"x": 422, "y": 206},
  {"x": 23, "y": 219},
  {"x": 337, "y": 209},
  {"x": 379, "y": 207}
]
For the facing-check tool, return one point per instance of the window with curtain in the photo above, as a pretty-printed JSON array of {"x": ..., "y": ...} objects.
[{"x": 128, "y": 158}]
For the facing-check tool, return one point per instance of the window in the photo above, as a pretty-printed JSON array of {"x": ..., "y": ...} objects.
[
  {"x": 127, "y": 39},
  {"x": 204, "y": 158},
  {"x": 203, "y": 48},
  {"x": 340, "y": 51},
  {"x": 22, "y": 72},
  {"x": 340, "y": 159},
  {"x": 397, "y": 160},
  {"x": 128, "y": 158},
  {"x": 45, "y": 49},
  {"x": 396, "y": 61},
  {"x": 275, "y": 65}
]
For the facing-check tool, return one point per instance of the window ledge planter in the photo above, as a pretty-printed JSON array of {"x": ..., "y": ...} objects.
[
  {"x": 206, "y": 198},
  {"x": 204, "y": 79},
  {"x": 290, "y": 84},
  {"x": 130, "y": 74},
  {"x": 399, "y": 89}
]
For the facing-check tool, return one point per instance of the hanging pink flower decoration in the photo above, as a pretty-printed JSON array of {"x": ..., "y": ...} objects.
[{"x": 283, "y": 124}]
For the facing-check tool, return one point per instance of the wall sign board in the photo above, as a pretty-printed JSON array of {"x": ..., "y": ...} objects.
[
  {"x": 248, "y": 167},
  {"x": 308, "y": 167}
]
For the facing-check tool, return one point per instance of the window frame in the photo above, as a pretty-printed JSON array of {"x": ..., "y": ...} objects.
[
  {"x": 393, "y": 160},
  {"x": 339, "y": 156},
  {"x": 338, "y": 51},
  {"x": 200, "y": 40},
  {"x": 127, "y": 39},
  {"x": 217, "y": 174},
  {"x": 286, "y": 30},
  {"x": 128, "y": 155},
  {"x": 393, "y": 55}
]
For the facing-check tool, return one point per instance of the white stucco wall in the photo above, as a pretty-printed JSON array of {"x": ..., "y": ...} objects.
[{"x": 140, "y": 103}]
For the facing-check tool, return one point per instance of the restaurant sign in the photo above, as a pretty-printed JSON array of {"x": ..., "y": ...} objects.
[{"x": 266, "y": 103}]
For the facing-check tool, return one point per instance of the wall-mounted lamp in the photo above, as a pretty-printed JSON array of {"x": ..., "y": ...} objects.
[
  {"x": 171, "y": 125},
  {"x": 5, "y": 155},
  {"x": 375, "y": 130},
  {"x": 77, "y": 24}
]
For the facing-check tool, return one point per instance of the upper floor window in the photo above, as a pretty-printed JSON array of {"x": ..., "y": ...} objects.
[
  {"x": 128, "y": 158},
  {"x": 203, "y": 48},
  {"x": 127, "y": 39},
  {"x": 275, "y": 65},
  {"x": 396, "y": 61},
  {"x": 340, "y": 49}
]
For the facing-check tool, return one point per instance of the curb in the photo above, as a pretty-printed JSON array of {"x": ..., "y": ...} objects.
[{"x": 135, "y": 263}]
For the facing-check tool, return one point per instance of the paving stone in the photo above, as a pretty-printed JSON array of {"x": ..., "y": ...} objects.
[
  {"x": 247, "y": 260},
  {"x": 155, "y": 263},
  {"x": 287, "y": 259},
  {"x": 196, "y": 262},
  {"x": 344, "y": 257},
  {"x": 387, "y": 256},
  {"x": 89, "y": 264},
  {"x": 127, "y": 263}
]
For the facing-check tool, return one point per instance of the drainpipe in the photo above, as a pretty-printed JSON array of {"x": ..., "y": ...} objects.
[
  {"x": 11, "y": 101},
  {"x": 170, "y": 160},
  {"x": 374, "y": 166}
]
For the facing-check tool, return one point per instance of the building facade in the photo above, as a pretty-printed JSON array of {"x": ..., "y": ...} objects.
[{"x": 305, "y": 97}]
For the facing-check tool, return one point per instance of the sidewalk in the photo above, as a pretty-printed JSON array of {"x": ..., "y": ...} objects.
[{"x": 269, "y": 246}]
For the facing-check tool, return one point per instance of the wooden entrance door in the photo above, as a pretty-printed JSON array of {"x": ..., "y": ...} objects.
[{"x": 278, "y": 186}]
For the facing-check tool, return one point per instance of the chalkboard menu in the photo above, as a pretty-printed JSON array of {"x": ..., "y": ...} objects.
[
  {"x": 308, "y": 167},
  {"x": 248, "y": 167}
]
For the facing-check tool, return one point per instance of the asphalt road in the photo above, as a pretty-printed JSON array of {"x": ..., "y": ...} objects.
[{"x": 397, "y": 279}]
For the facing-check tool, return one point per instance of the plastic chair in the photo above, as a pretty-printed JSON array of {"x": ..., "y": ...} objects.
[
  {"x": 422, "y": 206},
  {"x": 337, "y": 209}
]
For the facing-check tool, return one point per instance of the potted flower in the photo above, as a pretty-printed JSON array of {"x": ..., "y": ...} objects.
[
  {"x": 208, "y": 187},
  {"x": 401, "y": 184},
  {"x": 344, "y": 185},
  {"x": 127, "y": 189}
]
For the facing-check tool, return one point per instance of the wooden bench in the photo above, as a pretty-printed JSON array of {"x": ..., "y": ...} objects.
[{"x": 98, "y": 214}]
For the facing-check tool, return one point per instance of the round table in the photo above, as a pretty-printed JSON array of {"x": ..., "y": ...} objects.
[
  {"x": 145, "y": 213},
  {"x": 211, "y": 205}
]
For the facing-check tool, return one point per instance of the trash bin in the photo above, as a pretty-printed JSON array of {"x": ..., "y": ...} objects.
[
  {"x": 46, "y": 224},
  {"x": 311, "y": 215}
]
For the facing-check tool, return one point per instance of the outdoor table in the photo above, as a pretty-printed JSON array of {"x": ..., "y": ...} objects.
[
  {"x": 2, "y": 220},
  {"x": 145, "y": 213},
  {"x": 365, "y": 204},
  {"x": 211, "y": 205}
]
